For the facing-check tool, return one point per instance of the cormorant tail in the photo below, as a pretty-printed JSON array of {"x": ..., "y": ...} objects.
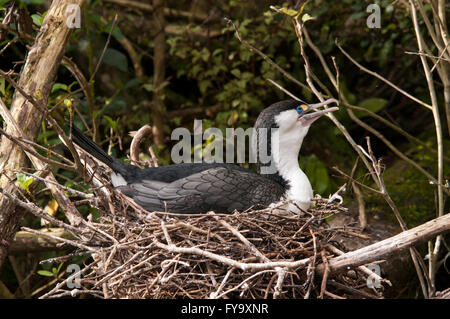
[{"x": 90, "y": 147}]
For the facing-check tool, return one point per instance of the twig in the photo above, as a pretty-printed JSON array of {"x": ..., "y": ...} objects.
[
  {"x": 323, "y": 286},
  {"x": 381, "y": 78},
  {"x": 104, "y": 49},
  {"x": 437, "y": 124}
]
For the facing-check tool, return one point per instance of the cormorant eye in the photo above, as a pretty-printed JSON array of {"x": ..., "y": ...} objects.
[{"x": 301, "y": 108}]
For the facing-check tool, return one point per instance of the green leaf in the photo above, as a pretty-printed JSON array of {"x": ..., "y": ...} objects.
[
  {"x": 307, "y": 17},
  {"x": 59, "y": 268},
  {"x": 37, "y": 19},
  {"x": 321, "y": 179},
  {"x": 24, "y": 181},
  {"x": 45, "y": 273},
  {"x": 59, "y": 86},
  {"x": 132, "y": 83},
  {"x": 116, "y": 59},
  {"x": 204, "y": 85},
  {"x": 148, "y": 87},
  {"x": 373, "y": 104},
  {"x": 111, "y": 122},
  {"x": 289, "y": 12}
]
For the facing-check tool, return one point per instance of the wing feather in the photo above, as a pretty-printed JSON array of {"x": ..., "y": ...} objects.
[{"x": 220, "y": 189}]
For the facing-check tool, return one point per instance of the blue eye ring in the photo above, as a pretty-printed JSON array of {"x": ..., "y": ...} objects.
[{"x": 302, "y": 108}]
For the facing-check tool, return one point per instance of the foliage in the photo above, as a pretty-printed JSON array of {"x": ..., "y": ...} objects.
[{"x": 207, "y": 66}]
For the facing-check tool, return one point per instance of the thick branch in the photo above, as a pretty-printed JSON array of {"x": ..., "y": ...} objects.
[
  {"x": 36, "y": 80},
  {"x": 384, "y": 248}
]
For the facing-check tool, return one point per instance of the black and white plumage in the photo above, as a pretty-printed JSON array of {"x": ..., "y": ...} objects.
[{"x": 220, "y": 187}]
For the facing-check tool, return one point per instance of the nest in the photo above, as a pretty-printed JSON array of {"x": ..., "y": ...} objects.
[{"x": 252, "y": 254}]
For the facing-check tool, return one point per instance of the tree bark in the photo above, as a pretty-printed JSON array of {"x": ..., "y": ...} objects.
[
  {"x": 36, "y": 79},
  {"x": 159, "y": 72}
]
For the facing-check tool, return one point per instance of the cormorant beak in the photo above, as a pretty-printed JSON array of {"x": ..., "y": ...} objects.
[{"x": 308, "y": 119}]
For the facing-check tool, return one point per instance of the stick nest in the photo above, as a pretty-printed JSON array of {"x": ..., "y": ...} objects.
[{"x": 253, "y": 254}]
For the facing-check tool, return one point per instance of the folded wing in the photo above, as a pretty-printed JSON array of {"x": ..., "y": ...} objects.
[{"x": 219, "y": 189}]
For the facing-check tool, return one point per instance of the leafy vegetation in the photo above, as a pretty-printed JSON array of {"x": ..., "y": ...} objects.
[{"x": 208, "y": 68}]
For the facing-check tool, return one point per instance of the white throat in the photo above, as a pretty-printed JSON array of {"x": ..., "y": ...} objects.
[{"x": 285, "y": 147}]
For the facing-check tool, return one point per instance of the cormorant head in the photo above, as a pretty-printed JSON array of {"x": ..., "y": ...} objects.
[
  {"x": 306, "y": 117},
  {"x": 290, "y": 120},
  {"x": 291, "y": 115}
]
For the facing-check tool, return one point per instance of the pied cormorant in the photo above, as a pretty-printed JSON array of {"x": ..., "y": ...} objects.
[{"x": 220, "y": 187}]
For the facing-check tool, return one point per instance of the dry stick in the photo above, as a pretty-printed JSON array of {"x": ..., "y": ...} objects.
[
  {"x": 392, "y": 126},
  {"x": 52, "y": 121},
  {"x": 144, "y": 132},
  {"x": 86, "y": 88},
  {"x": 359, "y": 197},
  {"x": 329, "y": 294},
  {"x": 68, "y": 189},
  {"x": 64, "y": 240},
  {"x": 394, "y": 244},
  {"x": 166, "y": 234},
  {"x": 283, "y": 89},
  {"x": 71, "y": 277},
  {"x": 352, "y": 115},
  {"x": 29, "y": 98},
  {"x": 364, "y": 269},
  {"x": 48, "y": 284},
  {"x": 352, "y": 290},
  {"x": 38, "y": 161},
  {"x": 437, "y": 58},
  {"x": 323, "y": 286},
  {"x": 310, "y": 272},
  {"x": 298, "y": 31},
  {"x": 231, "y": 262},
  {"x": 431, "y": 30},
  {"x": 441, "y": 17},
  {"x": 91, "y": 79},
  {"x": 153, "y": 155},
  {"x": 265, "y": 57},
  {"x": 48, "y": 150},
  {"x": 281, "y": 273},
  {"x": 35, "y": 210},
  {"x": 394, "y": 149},
  {"x": 32, "y": 152},
  {"x": 119, "y": 268},
  {"x": 222, "y": 284},
  {"x": 129, "y": 47},
  {"x": 236, "y": 233},
  {"x": 9, "y": 119},
  {"x": 104, "y": 49},
  {"x": 437, "y": 124},
  {"x": 381, "y": 78},
  {"x": 414, "y": 254},
  {"x": 245, "y": 281},
  {"x": 8, "y": 45}
]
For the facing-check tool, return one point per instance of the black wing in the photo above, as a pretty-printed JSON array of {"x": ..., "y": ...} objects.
[{"x": 220, "y": 189}]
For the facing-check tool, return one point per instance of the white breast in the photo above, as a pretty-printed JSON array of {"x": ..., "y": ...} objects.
[{"x": 286, "y": 144}]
